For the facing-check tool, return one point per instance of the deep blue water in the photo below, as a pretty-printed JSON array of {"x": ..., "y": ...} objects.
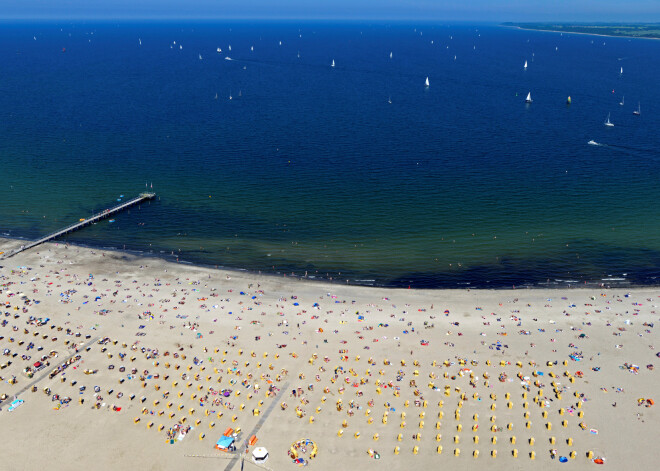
[{"x": 309, "y": 169}]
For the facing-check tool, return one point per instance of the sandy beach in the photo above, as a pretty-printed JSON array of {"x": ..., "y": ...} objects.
[{"x": 139, "y": 363}]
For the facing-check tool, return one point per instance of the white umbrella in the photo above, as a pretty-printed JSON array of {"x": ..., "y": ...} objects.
[{"x": 260, "y": 454}]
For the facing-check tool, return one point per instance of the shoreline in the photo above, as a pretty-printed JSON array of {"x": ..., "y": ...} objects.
[
  {"x": 556, "y": 284},
  {"x": 576, "y": 32}
]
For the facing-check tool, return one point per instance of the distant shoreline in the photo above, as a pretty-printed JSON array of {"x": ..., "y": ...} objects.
[{"x": 577, "y": 32}]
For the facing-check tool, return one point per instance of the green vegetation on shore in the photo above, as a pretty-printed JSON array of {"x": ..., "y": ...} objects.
[{"x": 635, "y": 30}]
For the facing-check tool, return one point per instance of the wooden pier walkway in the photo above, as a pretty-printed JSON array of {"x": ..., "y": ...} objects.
[{"x": 82, "y": 223}]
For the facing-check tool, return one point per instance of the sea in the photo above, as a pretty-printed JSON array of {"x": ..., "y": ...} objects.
[{"x": 266, "y": 158}]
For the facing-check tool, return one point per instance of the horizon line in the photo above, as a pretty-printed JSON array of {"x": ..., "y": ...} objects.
[{"x": 311, "y": 18}]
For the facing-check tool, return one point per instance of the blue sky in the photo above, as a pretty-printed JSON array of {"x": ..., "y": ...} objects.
[{"x": 448, "y": 10}]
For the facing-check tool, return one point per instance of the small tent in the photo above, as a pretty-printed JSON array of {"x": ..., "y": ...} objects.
[
  {"x": 260, "y": 454},
  {"x": 225, "y": 444}
]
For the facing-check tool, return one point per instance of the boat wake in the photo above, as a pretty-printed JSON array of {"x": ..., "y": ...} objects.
[{"x": 637, "y": 152}]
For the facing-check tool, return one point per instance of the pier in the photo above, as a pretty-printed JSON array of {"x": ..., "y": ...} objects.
[{"x": 82, "y": 223}]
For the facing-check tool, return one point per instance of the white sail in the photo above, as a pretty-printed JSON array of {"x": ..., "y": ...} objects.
[
  {"x": 333, "y": 63},
  {"x": 529, "y": 97},
  {"x": 623, "y": 98},
  {"x": 525, "y": 66},
  {"x": 621, "y": 70},
  {"x": 426, "y": 84},
  {"x": 219, "y": 50},
  {"x": 608, "y": 122},
  {"x": 390, "y": 55}
]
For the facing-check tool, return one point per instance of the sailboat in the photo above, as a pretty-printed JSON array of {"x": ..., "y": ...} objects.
[
  {"x": 525, "y": 66},
  {"x": 218, "y": 50},
  {"x": 390, "y": 55},
  {"x": 389, "y": 100},
  {"x": 200, "y": 57},
  {"x": 230, "y": 97},
  {"x": 216, "y": 96},
  {"x": 622, "y": 100},
  {"x": 529, "y": 98},
  {"x": 638, "y": 111},
  {"x": 608, "y": 122},
  {"x": 333, "y": 63},
  {"x": 426, "y": 84},
  {"x": 568, "y": 100},
  {"x": 621, "y": 71}
]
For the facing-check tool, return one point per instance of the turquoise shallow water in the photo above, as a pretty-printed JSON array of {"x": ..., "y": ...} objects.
[{"x": 309, "y": 169}]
